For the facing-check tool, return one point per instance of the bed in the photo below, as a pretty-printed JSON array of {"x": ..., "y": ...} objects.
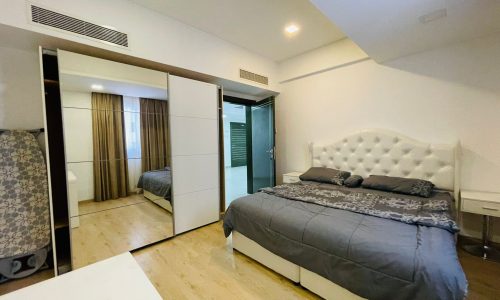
[
  {"x": 156, "y": 185},
  {"x": 344, "y": 254}
]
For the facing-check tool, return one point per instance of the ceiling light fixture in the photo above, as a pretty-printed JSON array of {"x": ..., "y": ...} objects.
[
  {"x": 97, "y": 87},
  {"x": 292, "y": 28}
]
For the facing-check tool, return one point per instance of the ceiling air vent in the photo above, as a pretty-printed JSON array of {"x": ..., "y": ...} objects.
[
  {"x": 254, "y": 77},
  {"x": 63, "y": 22}
]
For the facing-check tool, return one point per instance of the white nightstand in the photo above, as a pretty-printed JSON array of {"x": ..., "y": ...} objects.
[
  {"x": 291, "y": 177},
  {"x": 488, "y": 205}
]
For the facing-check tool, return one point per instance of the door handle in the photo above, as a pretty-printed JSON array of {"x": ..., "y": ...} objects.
[{"x": 271, "y": 153}]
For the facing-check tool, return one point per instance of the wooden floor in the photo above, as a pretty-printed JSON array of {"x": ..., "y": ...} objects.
[
  {"x": 112, "y": 227},
  {"x": 202, "y": 265},
  {"x": 16, "y": 284},
  {"x": 483, "y": 276},
  {"x": 87, "y": 207}
]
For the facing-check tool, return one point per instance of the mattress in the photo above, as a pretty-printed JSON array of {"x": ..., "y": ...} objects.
[
  {"x": 158, "y": 182},
  {"x": 373, "y": 257}
]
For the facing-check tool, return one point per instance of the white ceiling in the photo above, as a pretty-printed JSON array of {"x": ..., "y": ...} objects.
[
  {"x": 388, "y": 29},
  {"x": 257, "y": 25},
  {"x": 77, "y": 83}
]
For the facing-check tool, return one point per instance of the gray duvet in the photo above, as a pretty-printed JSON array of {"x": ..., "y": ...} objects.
[
  {"x": 157, "y": 182},
  {"x": 373, "y": 257}
]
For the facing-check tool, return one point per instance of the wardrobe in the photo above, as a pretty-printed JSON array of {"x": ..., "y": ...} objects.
[{"x": 193, "y": 124}]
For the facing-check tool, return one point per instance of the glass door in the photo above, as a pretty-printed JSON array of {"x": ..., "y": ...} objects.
[{"x": 262, "y": 146}]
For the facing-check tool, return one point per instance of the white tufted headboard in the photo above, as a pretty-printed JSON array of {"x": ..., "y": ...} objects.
[{"x": 382, "y": 152}]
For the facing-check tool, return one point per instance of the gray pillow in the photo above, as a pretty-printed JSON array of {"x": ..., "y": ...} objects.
[
  {"x": 325, "y": 175},
  {"x": 353, "y": 181},
  {"x": 408, "y": 186}
]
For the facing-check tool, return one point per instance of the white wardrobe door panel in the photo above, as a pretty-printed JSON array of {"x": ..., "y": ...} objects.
[
  {"x": 194, "y": 136},
  {"x": 191, "y": 98},
  {"x": 196, "y": 209},
  {"x": 78, "y": 134},
  {"x": 195, "y": 152},
  {"x": 194, "y": 173}
]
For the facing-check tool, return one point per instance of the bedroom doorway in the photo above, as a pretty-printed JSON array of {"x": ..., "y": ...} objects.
[
  {"x": 249, "y": 160},
  {"x": 235, "y": 150}
]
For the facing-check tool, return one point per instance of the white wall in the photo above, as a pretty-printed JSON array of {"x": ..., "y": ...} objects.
[
  {"x": 437, "y": 96},
  {"x": 20, "y": 90},
  {"x": 322, "y": 59},
  {"x": 152, "y": 36},
  {"x": 77, "y": 121}
]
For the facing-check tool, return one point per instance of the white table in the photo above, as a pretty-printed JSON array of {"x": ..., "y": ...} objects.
[
  {"x": 488, "y": 205},
  {"x": 119, "y": 277}
]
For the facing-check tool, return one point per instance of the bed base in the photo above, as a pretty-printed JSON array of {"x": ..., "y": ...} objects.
[
  {"x": 266, "y": 257},
  {"x": 309, "y": 280},
  {"x": 158, "y": 200}
]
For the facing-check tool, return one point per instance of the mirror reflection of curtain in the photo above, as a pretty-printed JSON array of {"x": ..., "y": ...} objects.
[
  {"x": 110, "y": 164},
  {"x": 154, "y": 134}
]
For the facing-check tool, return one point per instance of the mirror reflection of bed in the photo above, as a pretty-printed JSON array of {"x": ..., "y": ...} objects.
[
  {"x": 156, "y": 185},
  {"x": 118, "y": 158}
]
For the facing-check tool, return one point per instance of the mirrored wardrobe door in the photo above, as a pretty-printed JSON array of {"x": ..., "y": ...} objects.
[{"x": 117, "y": 155}]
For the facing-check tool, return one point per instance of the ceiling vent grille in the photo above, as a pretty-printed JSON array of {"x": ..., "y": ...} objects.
[
  {"x": 63, "y": 22},
  {"x": 254, "y": 77}
]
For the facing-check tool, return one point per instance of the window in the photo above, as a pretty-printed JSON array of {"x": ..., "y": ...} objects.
[{"x": 132, "y": 118}]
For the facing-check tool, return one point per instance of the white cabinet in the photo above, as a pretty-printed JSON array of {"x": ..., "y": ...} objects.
[
  {"x": 488, "y": 205},
  {"x": 482, "y": 203}
]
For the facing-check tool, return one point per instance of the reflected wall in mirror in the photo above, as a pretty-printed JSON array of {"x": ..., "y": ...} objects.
[{"x": 118, "y": 157}]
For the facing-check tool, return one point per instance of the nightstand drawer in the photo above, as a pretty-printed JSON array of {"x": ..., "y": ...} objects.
[
  {"x": 481, "y": 207},
  {"x": 290, "y": 179}
]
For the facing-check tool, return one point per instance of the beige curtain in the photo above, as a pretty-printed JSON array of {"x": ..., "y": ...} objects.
[
  {"x": 154, "y": 134},
  {"x": 110, "y": 161}
]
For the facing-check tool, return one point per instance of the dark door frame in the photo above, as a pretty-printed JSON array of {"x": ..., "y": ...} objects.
[
  {"x": 249, "y": 145},
  {"x": 248, "y": 106}
]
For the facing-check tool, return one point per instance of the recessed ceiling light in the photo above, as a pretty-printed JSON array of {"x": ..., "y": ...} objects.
[
  {"x": 292, "y": 28},
  {"x": 97, "y": 87}
]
